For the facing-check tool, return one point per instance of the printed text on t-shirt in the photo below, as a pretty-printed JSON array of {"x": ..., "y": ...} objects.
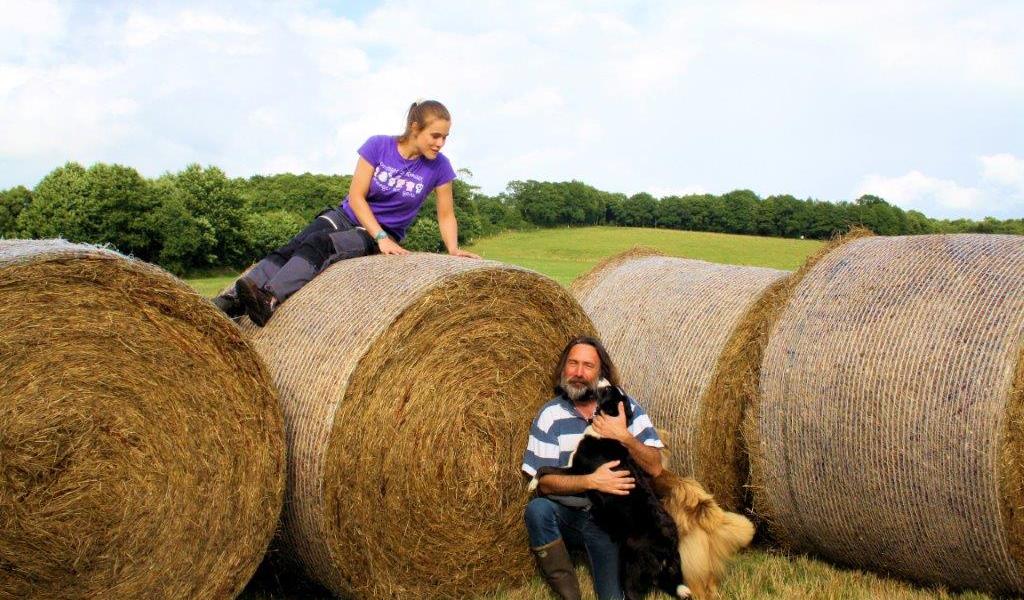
[{"x": 410, "y": 184}]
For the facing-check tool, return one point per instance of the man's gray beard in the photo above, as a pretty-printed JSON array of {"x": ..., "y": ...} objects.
[{"x": 572, "y": 392}]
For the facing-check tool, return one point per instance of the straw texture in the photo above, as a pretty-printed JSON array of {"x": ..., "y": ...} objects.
[
  {"x": 889, "y": 424},
  {"x": 141, "y": 444},
  {"x": 409, "y": 385},
  {"x": 666, "y": 322}
]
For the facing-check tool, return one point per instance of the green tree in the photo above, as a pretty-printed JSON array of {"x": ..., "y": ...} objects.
[
  {"x": 12, "y": 202},
  {"x": 106, "y": 204},
  {"x": 738, "y": 208},
  {"x": 424, "y": 236},
  {"x": 265, "y": 232},
  {"x": 639, "y": 210},
  {"x": 187, "y": 241},
  {"x": 305, "y": 195},
  {"x": 210, "y": 196}
]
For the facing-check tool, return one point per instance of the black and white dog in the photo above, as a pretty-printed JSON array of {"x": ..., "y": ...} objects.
[{"x": 644, "y": 531}]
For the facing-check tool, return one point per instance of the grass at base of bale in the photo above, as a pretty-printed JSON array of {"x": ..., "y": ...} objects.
[{"x": 753, "y": 575}]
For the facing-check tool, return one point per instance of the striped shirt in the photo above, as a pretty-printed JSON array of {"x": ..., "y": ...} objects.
[{"x": 558, "y": 429}]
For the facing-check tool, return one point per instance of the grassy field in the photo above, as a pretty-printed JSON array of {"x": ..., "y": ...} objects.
[{"x": 563, "y": 254}]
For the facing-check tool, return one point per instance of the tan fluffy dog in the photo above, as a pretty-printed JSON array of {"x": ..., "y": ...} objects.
[{"x": 708, "y": 535}]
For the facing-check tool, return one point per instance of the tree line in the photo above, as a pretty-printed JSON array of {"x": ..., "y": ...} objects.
[{"x": 200, "y": 219}]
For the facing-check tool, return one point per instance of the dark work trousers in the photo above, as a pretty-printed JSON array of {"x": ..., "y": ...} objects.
[{"x": 329, "y": 238}]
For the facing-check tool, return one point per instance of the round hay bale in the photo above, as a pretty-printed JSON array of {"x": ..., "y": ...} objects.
[
  {"x": 409, "y": 385},
  {"x": 666, "y": 322},
  {"x": 889, "y": 429},
  {"x": 141, "y": 443}
]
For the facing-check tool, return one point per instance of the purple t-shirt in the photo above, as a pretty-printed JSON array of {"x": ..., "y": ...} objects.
[{"x": 399, "y": 186}]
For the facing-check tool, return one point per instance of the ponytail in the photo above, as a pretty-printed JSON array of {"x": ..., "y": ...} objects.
[{"x": 421, "y": 112}]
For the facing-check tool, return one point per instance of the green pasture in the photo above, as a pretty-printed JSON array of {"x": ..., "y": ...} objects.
[{"x": 564, "y": 254}]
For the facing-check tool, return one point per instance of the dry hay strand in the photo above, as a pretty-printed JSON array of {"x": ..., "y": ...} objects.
[
  {"x": 409, "y": 385},
  {"x": 666, "y": 321},
  {"x": 890, "y": 416},
  {"x": 141, "y": 443}
]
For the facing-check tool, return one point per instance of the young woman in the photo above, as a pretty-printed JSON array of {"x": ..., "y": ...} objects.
[{"x": 393, "y": 177}]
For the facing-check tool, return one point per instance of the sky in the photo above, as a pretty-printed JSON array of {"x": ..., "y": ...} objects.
[{"x": 919, "y": 102}]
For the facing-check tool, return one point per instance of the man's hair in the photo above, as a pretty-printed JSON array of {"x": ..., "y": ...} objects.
[{"x": 608, "y": 370}]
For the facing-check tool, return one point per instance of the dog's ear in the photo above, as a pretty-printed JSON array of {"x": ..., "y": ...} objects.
[{"x": 627, "y": 406}]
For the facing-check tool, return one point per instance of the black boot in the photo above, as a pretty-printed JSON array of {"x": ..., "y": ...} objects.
[
  {"x": 259, "y": 304},
  {"x": 228, "y": 304},
  {"x": 555, "y": 565}
]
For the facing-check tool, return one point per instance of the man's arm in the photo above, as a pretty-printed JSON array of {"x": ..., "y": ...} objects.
[
  {"x": 648, "y": 457},
  {"x": 604, "y": 479}
]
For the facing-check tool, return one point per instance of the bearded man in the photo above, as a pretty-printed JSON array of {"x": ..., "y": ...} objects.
[{"x": 558, "y": 518}]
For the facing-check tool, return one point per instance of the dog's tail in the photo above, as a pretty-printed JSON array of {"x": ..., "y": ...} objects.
[{"x": 734, "y": 532}]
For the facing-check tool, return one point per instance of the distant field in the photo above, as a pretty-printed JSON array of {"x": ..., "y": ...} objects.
[{"x": 563, "y": 254}]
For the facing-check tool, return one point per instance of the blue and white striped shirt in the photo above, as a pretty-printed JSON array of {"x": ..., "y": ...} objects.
[{"x": 558, "y": 429}]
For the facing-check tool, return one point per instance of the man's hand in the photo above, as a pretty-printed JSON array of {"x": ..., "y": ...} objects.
[
  {"x": 604, "y": 479},
  {"x": 462, "y": 253},
  {"x": 390, "y": 246},
  {"x": 612, "y": 427}
]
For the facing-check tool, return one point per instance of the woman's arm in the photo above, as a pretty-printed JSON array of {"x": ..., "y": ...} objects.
[
  {"x": 357, "y": 200},
  {"x": 446, "y": 221}
]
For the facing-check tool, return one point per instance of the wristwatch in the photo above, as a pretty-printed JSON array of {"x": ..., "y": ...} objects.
[{"x": 381, "y": 236}]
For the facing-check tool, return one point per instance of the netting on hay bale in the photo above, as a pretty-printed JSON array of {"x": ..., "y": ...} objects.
[
  {"x": 409, "y": 385},
  {"x": 141, "y": 443},
  {"x": 888, "y": 430},
  {"x": 667, "y": 323}
]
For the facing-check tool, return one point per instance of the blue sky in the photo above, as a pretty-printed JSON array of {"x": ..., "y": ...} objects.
[{"x": 919, "y": 102}]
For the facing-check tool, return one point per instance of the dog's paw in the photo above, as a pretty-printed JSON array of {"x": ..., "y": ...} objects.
[{"x": 683, "y": 592}]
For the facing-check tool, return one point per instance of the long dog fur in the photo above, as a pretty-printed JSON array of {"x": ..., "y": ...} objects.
[{"x": 708, "y": 535}]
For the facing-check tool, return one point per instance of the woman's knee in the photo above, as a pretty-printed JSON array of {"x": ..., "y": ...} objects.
[{"x": 316, "y": 248}]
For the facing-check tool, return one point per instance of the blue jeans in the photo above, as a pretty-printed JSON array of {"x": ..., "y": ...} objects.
[{"x": 547, "y": 521}]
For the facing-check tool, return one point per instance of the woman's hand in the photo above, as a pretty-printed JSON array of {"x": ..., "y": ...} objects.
[
  {"x": 390, "y": 246},
  {"x": 462, "y": 253}
]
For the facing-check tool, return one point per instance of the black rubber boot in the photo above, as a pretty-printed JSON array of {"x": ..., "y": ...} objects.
[
  {"x": 259, "y": 304},
  {"x": 555, "y": 565},
  {"x": 229, "y": 304}
]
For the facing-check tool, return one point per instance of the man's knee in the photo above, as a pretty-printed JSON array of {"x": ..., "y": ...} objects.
[{"x": 540, "y": 510}]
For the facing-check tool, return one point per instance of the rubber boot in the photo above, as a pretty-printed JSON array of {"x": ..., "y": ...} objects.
[{"x": 555, "y": 565}]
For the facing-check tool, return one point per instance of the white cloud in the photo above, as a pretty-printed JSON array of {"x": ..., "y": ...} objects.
[
  {"x": 64, "y": 111},
  {"x": 917, "y": 191},
  {"x": 1003, "y": 169},
  {"x": 541, "y": 100},
  {"x": 913, "y": 39},
  {"x": 770, "y": 96},
  {"x": 29, "y": 29},
  {"x": 142, "y": 30}
]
